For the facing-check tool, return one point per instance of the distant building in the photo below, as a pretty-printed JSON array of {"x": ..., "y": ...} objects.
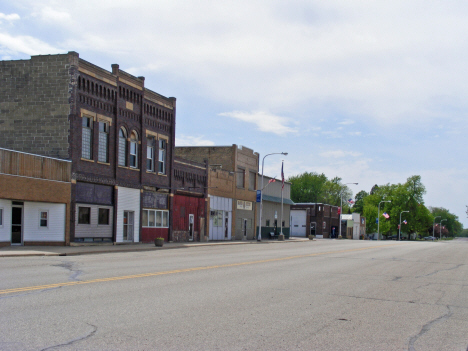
[{"x": 316, "y": 219}]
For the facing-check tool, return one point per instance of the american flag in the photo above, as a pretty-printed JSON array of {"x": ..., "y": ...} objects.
[
  {"x": 350, "y": 201},
  {"x": 272, "y": 181},
  {"x": 405, "y": 222},
  {"x": 386, "y": 215}
]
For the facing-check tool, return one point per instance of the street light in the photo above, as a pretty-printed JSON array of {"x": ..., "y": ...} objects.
[
  {"x": 341, "y": 205},
  {"x": 378, "y": 220},
  {"x": 399, "y": 229},
  {"x": 433, "y": 226},
  {"x": 259, "y": 238},
  {"x": 440, "y": 231}
]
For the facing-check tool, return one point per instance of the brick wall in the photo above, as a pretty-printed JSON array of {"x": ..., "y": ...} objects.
[{"x": 34, "y": 105}]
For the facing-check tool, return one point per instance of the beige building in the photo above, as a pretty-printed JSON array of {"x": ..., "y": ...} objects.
[{"x": 232, "y": 181}]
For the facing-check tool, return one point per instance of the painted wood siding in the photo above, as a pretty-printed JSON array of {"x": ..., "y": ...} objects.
[
  {"x": 55, "y": 230},
  {"x": 128, "y": 200},
  {"x": 5, "y": 227},
  {"x": 94, "y": 230},
  {"x": 224, "y": 204}
]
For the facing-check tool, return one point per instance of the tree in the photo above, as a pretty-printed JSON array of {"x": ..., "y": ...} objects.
[
  {"x": 359, "y": 201},
  {"x": 454, "y": 227},
  {"x": 307, "y": 187}
]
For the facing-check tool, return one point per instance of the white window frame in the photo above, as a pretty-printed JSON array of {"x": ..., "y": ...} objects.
[
  {"x": 47, "y": 219},
  {"x": 78, "y": 219},
  {"x": 162, "y": 153},
  {"x": 134, "y": 144},
  {"x": 162, "y": 213},
  {"x": 103, "y": 142},
  {"x": 150, "y": 153},
  {"x": 122, "y": 147},
  {"x": 88, "y": 144}
]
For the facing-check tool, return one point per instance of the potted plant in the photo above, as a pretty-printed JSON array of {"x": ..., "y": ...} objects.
[
  {"x": 159, "y": 241},
  {"x": 311, "y": 237}
]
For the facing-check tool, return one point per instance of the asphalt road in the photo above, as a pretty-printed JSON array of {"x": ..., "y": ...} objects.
[{"x": 320, "y": 295}]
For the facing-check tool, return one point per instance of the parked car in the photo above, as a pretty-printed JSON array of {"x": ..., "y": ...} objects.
[{"x": 430, "y": 238}]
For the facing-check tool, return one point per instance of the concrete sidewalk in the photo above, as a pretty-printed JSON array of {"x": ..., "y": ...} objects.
[{"x": 89, "y": 249}]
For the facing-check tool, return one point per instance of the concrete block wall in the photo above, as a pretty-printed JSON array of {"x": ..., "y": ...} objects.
[{"x": 34, "y": 105}]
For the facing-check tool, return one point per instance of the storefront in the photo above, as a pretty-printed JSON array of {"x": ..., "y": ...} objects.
[
  {"x": 155, "y": 216},
  {"x": 128, "y": 215},
  {"x": 220, "y": 218},
  {"x": 245, "y": 217}
]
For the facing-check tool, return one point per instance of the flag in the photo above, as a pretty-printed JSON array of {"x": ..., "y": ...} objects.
[
  {"x": 386, "y": 215},
  {"x": 272, "y": 181},
  {"x": 282, "y": 176},
  {"x": 350, "y": 201},
  {"x": 405, "y": 222}
]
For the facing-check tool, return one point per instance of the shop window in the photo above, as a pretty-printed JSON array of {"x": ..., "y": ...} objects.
[
  {"x": 84, "y": 215},
  {"x": 43, "y": 219},
  {"x": 103, "y": 154},
  {"x": 162, "y": 156},
  {"x": 252, "y": 180},
  {"x": 87, "y": 138},
  {"x": 103, "y": 216},
  {"x": 134, "y": 150},
  {"x": 122, "y": 147},
  {"x": 150, "y": 155},
  {"x": 155, "y": 219}
]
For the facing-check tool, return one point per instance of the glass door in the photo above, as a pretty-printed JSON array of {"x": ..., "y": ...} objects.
[
  {"x": 191, "y": 220},
  {"x": 128, "y": 226},
  {"x": 17, "y": 225}
]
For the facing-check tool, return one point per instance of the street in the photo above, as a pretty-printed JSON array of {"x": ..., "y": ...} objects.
[{"x": 313, "y": 295}]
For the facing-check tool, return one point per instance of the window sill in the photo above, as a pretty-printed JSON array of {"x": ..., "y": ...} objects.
[
  {"x": 103, "y": 163},
  {"x": 162, "y": 174},
  {"x": 87, "y": 160},
  {"x": 134, "y": 169},
  {"x": 151, "y": 172}
]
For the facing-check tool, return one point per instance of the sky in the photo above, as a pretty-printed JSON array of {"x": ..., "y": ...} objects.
[{"x": 369, "y": 91}]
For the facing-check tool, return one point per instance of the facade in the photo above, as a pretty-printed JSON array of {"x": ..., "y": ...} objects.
[
  {"x": 118, "y": 135},
  {"x": 353, "y": 226},
  {"x": 35, "y": 193},
  {"x": 271, "y": 212},
  {"x": 316, "y": 219},
  {"x": 232, "y": 180}
]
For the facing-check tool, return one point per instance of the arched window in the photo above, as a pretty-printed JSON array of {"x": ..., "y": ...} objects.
[
  {"x": 134, "y": 150},
  {"x": 122, "y": 146}
]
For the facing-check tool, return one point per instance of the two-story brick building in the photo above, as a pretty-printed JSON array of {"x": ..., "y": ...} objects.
[
  {"x": 118, "y": 134},
  {"x": 232, "y": 183},
  {"x": 317, "y": 219}
]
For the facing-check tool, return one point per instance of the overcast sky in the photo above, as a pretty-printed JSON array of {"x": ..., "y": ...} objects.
[{"x": 369, "y": 91}]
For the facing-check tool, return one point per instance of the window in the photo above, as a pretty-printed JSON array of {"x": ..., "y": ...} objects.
[
  {"x": 252, "y": 180},
  {"x": 103, "y": 218},
  {"x": 1, "y": 217},
  {"x": 134, "y": 150},
  {"x": 240, "y": 177},
  {"x": 87, "y": 138},
  {"x": 122, "y": 147},
  {"x": 267, "y": 224},
  {"x": 43, "y": 219},
  {"x": 155, "y": 219},
  {"x": 283, "y": 224},
  {"x": 150, "y": 155},
  {"x": 162, "y": 156},
  {"x": 103, "y": 154},
  {"x": 84, "y": 215}
]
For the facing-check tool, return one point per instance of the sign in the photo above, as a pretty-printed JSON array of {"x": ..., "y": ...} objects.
[
  {"x": 259, "y": 195},
  {"x": 240, "y": 204},
  {"x": 248, "y": 205},
  {"x": 339, "y": 210},
  {"x": 154, "y": 200},
  {"x": 94, "y": 193}
]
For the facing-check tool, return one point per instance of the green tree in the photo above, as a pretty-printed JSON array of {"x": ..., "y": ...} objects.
[
  {"x": 307, "y": 187},
  {"x": 359, "y": 201},
  {"x": 454, "y": 227}
]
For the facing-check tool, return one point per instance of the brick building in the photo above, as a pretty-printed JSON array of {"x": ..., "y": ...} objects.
[
  {"x": 118, "y": 134},
  {"x": 314, "y": 218},
  {"x": 232, "y": 181},
  {"x": 35, "y": 193}
]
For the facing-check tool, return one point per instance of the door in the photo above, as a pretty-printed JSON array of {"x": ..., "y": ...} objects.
[
  {"x": 128, "y": 225},
  {"x": 244, "y": 227},
  {"x": 226, "y": 226},
  {"x": 298, "y": 223},
  {"x": 191, "y": 220},
  {"x": 17, "y": 225}
]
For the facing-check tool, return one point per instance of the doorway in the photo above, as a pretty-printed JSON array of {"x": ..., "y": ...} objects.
[
  {"x": 128, "y": 225},
  {"x": 244, "y": 229},
  {"x": 17, "y": 225},
  {"x": 191, "y": 220}
]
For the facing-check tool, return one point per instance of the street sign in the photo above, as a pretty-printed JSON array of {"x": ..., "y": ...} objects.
[{"x": 259, "y": 194}]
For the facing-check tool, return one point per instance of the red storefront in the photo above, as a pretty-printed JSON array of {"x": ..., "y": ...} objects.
[
  {"x": 154, "y": 216},
  {"x": 188, "y": 217}
]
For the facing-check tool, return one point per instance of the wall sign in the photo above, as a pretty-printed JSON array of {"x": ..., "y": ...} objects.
[
  {"x": 154, "y": 200},
  {"x": 94, "y": 193}
]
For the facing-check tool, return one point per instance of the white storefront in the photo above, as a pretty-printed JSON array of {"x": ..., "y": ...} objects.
[
  {"x": 220, "y": 218},
  {"x": 128, "y": 215},
  {"x": 26, "y": 221}
]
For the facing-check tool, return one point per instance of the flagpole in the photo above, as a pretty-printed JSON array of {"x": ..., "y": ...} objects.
[{"x": 282, "y": 186}]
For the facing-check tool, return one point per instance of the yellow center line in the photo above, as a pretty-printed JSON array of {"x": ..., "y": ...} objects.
[{"x": 144, "y": 275}]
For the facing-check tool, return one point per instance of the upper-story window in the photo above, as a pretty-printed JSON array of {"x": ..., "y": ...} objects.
[
  {"x": 122, "y": 147},
  {"x": 240, "y": 177},
  {"x": 103, "y": 151},
  {"x": 162, "y": 156},
  {"x": 150, "y": 154},
  {"x": 134, "y": 150},
  {"x": 252, "y": 180},
  {"x": 87, "y": 138}
]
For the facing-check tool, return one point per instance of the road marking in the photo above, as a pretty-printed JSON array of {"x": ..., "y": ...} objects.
[{"x": 144, "y": 275}]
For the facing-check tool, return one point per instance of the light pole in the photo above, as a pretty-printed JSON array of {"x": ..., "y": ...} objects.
[
  {"x": 440, "y": 231},
  {"x": 259, "y": 238},
  {"x": 433, "y": 226},
  {"x": 378, "y": 220},
  {"x": 341, "y": 207},
  {"x": 399, "y": 229}
]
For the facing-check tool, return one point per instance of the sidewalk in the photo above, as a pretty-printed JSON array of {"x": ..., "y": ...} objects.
[{"x": 89, "y": 249}]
